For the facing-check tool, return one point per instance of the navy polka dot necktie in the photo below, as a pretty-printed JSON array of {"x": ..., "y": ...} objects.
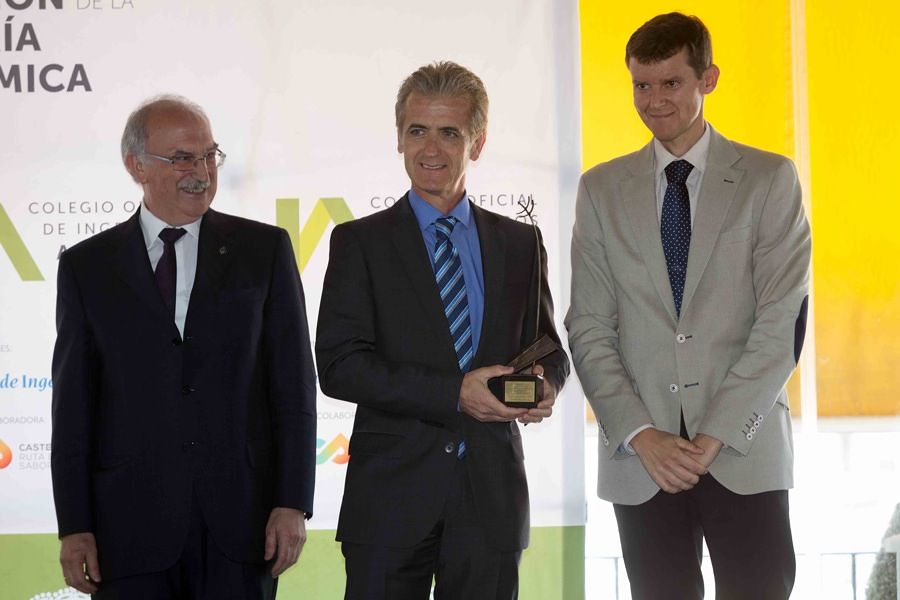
[{"x": 675, "y": 227}]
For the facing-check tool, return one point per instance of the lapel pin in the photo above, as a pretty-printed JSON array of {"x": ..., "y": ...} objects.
[{"x": 223, "y": 250}]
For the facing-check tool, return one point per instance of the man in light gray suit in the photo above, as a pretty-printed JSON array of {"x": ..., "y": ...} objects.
[{"x": 690, "y": 262}]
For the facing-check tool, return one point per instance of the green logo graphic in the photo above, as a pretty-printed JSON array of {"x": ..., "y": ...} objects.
[
  {"x": 305, "y": 241},
  {"x": 16, "y": 250}
]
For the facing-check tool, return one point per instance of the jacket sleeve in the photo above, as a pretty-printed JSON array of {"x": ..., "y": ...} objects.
[
  {"x": 75, "y": 375},
  {"x": 350, "y": 367},
  {"x": 593, "y": 326},
  {"x": 291, "y": 382},
  {"x": 781, "y": 257}
]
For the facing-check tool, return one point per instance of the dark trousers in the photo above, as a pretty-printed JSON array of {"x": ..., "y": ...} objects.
[
  {"x": 749, "y": 540},
  {"x": 202, "y": 572},
  {"x": 456, "y": 554}
]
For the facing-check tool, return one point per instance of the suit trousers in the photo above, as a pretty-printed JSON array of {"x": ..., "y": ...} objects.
[
  {"x": 456, "y": 555},
  {"x": 202, "y": 572},
  {"x": 749, "y": 540}
]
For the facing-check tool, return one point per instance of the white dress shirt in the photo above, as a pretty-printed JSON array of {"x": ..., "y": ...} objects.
[
  {"x": 185, "y": 257},
  {"x": 661, "y": 157}
]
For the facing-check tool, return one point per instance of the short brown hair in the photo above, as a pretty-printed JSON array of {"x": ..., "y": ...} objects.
[
  {"x": 664, "y": 36},
  {"x": 446, "y": 78}
]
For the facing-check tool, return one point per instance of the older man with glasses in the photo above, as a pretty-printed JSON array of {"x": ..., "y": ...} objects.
[{"x": 184, "y": 391}]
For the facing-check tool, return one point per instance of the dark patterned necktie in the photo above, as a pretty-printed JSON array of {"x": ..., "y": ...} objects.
[
  {"x": 452, "y": 285},
  {"x": 675, "y": 227},
  {"x": 166, "y": 268}
]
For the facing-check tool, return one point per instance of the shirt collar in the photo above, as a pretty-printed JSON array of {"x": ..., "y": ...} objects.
[
  {"x": 696, "y": 155},
  {"x": 151, "y": 225},
  {"x": 426, "y": 214}
]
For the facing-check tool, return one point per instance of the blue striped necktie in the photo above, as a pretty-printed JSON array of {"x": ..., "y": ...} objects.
[
  {"x": 675, "y": 227},
  {"x": 452, "y": 286}
]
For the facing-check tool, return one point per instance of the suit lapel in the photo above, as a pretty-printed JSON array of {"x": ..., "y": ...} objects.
[
  {"x": 493, "y": 258},
  {"x": 132, "y": 265},
  {"x": 213, "y": 257},
  {"x": 407, "y": 240},
  {"x": 720, "y": 182},
  {"x": 638, "y": 193}
]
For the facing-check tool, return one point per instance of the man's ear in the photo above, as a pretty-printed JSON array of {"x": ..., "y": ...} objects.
[
  {"x": 477, "y": 145},
  {"x": 135, "y": 167},
  {"x": 710, "y": 79}
]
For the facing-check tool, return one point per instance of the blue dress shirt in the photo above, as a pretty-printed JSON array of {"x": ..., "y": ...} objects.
[{"x": 465, "y": 238}]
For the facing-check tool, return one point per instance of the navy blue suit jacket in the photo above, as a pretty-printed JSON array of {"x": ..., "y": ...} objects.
[{"x": 144, "y": 420}]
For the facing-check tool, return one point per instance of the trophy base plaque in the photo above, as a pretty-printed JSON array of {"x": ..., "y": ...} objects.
[
  {"x": 518, "y": 391},
  {"x": 522, "y": 389}
]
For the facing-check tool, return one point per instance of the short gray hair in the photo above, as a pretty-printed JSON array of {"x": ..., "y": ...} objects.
[
  {"x": 448, "y": 79},
  {"x": 135, "y": 133}
]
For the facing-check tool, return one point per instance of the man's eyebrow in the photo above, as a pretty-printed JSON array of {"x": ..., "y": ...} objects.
[{"x": 215, "y": 146}]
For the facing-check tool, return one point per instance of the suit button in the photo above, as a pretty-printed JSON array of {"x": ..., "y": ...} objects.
[
  {"x": 449, "y": 447},
  {"x": 673, "y": 388},
  {"x": 189, "y": 446},
  {"x": 680, "y": 338},
  {"x": 176, "y": 341},
  {"x": 186, "y": 389},
  {"x": 749, "y": 436},
  {"x": 753, "y": 429}
]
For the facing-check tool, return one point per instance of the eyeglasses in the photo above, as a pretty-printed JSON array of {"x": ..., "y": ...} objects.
[{"x": 213, "y": 159}]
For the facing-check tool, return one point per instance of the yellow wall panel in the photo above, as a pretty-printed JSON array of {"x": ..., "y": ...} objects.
[{"x": 854, "y": 131}]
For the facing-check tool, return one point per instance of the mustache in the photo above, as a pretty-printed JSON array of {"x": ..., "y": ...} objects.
[{"x": 193, "y": 185}]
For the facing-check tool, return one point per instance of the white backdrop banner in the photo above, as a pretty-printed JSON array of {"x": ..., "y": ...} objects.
[{"x": 300, "y": 95}]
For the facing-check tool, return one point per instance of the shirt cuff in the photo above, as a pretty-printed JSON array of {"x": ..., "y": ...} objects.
[{"x": 626, "y": 445}]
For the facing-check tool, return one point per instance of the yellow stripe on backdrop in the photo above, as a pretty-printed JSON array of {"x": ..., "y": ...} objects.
[
  {"x": 753, "y": 103},
  {"x": 854, "y": 132}
]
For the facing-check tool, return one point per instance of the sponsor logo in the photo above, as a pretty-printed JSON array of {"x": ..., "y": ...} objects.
[
  {"x": 33, "y": 456},
  {"x": 337, "y": 450},
  {"x": 5, "y": 455},
  {"x": 306, "y": 240},
  {"x": 16, "y": 250}
]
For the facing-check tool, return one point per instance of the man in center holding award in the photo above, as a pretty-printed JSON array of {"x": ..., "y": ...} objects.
[{"x": 422, "y": 304}]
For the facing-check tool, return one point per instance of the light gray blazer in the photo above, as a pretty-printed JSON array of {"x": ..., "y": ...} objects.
[{"x": 725, "y": 362}]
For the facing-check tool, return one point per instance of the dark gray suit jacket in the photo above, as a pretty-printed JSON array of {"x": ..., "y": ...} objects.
[{"x": 383, "y": 343}]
